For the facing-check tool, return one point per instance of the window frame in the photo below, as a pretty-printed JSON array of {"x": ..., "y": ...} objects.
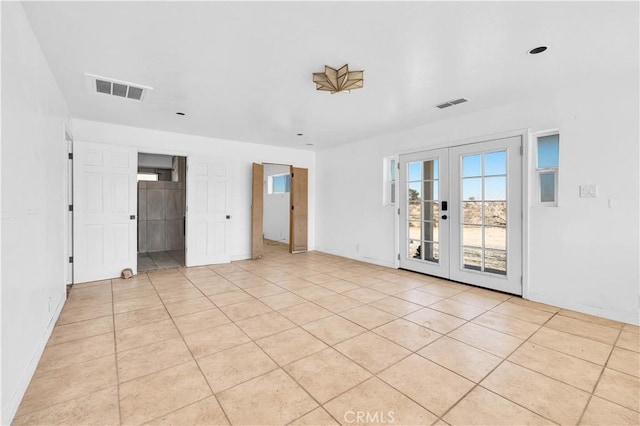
[
  {"x": 539, "y": 171},
  {"x": 390, "y": 167}
]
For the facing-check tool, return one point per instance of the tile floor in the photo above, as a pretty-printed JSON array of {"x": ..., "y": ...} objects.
[
  {"x": 160, "y": 260},
  {"x": 314, "y": 339}
]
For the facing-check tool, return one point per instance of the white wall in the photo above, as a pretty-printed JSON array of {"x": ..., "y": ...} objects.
[
  {"x": 276, "y": 207},
  {"x": 582, "y": 255},
  {"x": 238, "y": 156},
  {"x": 33, "y": 200}
]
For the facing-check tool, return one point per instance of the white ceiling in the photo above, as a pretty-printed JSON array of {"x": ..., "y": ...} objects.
[{"x": 243, "y": 71}]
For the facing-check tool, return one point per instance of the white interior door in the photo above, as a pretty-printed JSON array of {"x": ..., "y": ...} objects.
[
  {"x": 461, "y": 213},
  {"x": 207, "y": 200},
  {"x": 104, "y": 221}
]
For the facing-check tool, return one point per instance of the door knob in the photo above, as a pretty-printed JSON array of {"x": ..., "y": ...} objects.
[{"x": 444, "y": 217}]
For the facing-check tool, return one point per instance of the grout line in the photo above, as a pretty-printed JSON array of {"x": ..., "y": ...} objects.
[{"x": 115, "y": 352}]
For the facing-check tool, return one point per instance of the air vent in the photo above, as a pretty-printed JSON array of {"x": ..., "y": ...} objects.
[
  {"x": 452, "y": 103},
  {"x": 119, "y": 88}
]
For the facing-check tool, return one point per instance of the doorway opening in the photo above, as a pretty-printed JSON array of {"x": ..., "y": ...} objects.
[
  {"x": 276, "y": 201},
  {"x": 161, "y": 211}
]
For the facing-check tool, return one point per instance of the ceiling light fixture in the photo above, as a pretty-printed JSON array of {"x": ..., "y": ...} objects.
[
  {"x": 338, "y": 80},
  {"x": 537, "y": 50},
  {"x": 299, "y": 134},
  {"x": 180, "y": 113}
]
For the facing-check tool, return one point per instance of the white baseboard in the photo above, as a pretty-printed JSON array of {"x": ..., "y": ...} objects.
[{"x": 365, "y": 259}]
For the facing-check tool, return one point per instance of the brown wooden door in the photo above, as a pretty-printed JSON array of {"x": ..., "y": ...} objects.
[
  {"x": 257, "y": 211},
  {"x": 299, "y": 210}
]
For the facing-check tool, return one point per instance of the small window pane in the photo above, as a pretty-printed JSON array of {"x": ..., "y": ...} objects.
[
  {"x": 548, "y": 147},
  {"x": 547, "y": 187},
  {"x": 471, "y": 165},
  {"x": 495, "y": 188},
  {"x": 431, "y": 231},
  {"x": 495, "y": 237},
  {"x": 430, "y": 170},
  {"x": 472, "y": 258},
  {"x": 414, "y": 251},
  {"x": 415, "y": 192},
  {"x": 495, "y": 262},
  {"x": 393, "y": 192},
  {"x": 415, "y": 172},
  {"x": 431, "y": 190},
  {"x": 414, "y": 211},
  {"x": 431, "y": 251},
  {"x": 472, "y": 235},
  {"x": 495, "y": 213},
  {"x": 471, "y": 212},
  {"x": 472, "y": 189},
  {"x": 392, "y": 170},
  {"x": 415, "y": 230},
  {"x": 495, "y": 163}
]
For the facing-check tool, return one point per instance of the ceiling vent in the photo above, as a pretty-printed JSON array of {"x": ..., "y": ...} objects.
[
  {"x": 119, "y": 88},
  {"x": 452, "y": 103}
]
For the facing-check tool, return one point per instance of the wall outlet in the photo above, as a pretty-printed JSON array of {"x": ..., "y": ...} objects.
[{"x": 588, "y": 191}]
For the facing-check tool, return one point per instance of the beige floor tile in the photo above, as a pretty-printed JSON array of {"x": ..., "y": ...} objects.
[
  {"x": 620, "y": 388},
  {"x": 127, "y": 305},
  {"x": 217, "y": 287},
  {"x": 65, "y": 384},
  {"x": 375, "y": 402},
  {"x": 419, "y": 297},
  {"x": 461, "y": 358},
  {"x": 141, "y": 317},
  {"x": 317, "y": 417},
  {"x": 215, "y": 339},
  {"x": 577, "y": 346},
  {"x": 568, "y": 369},
  {"x": 486, "y": 292},
  {"x": 389, "y": 288},
  {"x": 76, "y": 351},
  {"x": 243, "y": 310},
  {"x": 492, "y": 341},
  {"x": 205, "y": 412},
  {"x": 79, "y": 330},
  {"x": 149, "y": 397},
  {"x": 630, "y": 341},
  {"x": 228, "y": 368},
  {"x": 396, "y": 306},
  {"x": 199, "y": 321},
  {"x": 333, "y": 329},
  {"x": 631, "y": 328},
  {"x": 305, "y": 312},
  {"x": 605, "y": 413},
  {"x": 143, "y": 291},
  {"x": 250, "y": 282},
  {"x": 340, "y": 286},
  {"x": 282, "y": 300},
  {"x": 292, "y": 283},
  {"x": 337, "y": 303},
  {"x": 434, "y": 320},
  {"x": 368, "y": 316},
  {"x": 69, "y": 315},
  {"x": 439, "y": 290},
  {"x": 477, "y": 300},
  {"x": 599, "y": 333},
  {"x": 524, "y": 313},
  {"x": 481, "y": 407},
  {"x": 372, "y": 352},
  {"x": 82, "y": 298},
  {"x": 327, "y": 374},
  {"x": 290, "y": 345},
  {"x": 542, "y": 395},
  {"x": 408, "y": 334},
  {"x": 535, "y": 305},
  {"x": 265, "y": 325},
  {"x": 590, "y": 318},
  {"x": 148, "y": 359},
  {"x": 189, "y": 306},
  {"x": 315, "y": 292},
  {"x": 625, "y": 361},
  {"x": 508, "y": 325},
  {"x": 271, "y": 399},
  {"x": 99, "y": 408},
  {"x": 178, "y": 295},
  {"x": 133, "y": 337},
  {"x": 430, "y": 385},
  {"x": 364, "y": 295},
  {"x": 265, "y": 290},
  {"x": 457, "y": 309}
]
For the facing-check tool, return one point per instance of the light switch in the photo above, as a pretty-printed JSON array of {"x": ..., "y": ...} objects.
[{"x": 588, "y": 191}]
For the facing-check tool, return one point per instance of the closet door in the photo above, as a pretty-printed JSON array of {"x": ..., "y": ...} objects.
[
  {"x": 298, "y": 230},
  {"x": 257, "y": 211}
]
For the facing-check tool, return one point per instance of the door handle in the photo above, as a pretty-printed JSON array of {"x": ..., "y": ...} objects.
[
  {"x": 444, "y": 217},
  {"x": 132, "y": 217}
]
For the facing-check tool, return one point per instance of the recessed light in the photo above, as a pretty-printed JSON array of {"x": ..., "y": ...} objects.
[
  {"x": 299, "y": 134},
  {"x": 537, "y": 50},
  {"x": 310, "y": 144},
  {"x": 180, "y": 113}
]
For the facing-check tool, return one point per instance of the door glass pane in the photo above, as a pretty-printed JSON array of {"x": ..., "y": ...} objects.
[
  {"x": 472, "y": 258},
  {"x": 414, "y": 171},
  {"x": 472, "y": 189},
  {"x": 431, "y": 210},
  {"x": 414, "y": 211},
  {"x": 431, "y": 251},
  {"x": 415, "y": 231},
  {"x": 495, "y": 188},
  {"x": 495, "y": 261},
  {"x": 472, "y": 212},
  {"x": 415, "y": 192},
  {"x": 414, "y": 249},
  {"x": 495, "y": 213},
  {"x": 495, "y": 163},
  {"x": 430, "y": 190},
  {"x": 471, "y": 165},
  {"x": 430, "y": 231},
  {"x": 472, "y": 235},
  {"x": 430, "y": 170},
  {"x": 495, "y": 237}
]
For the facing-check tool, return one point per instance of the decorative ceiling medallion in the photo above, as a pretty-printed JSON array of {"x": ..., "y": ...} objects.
[{"x": 338, "y": 80}]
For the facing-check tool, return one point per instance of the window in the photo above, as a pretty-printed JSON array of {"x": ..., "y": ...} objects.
[
  {"x": 390, "y": 166},
  {"x": 279, "y": 184},
  {"x": 547, "y": 160},
  {"x": 147, "y": 176}
]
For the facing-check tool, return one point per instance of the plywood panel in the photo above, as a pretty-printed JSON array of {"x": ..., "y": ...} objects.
[
  {"x": 298, "y": 235},
  {"x": 257, "y": 211}
]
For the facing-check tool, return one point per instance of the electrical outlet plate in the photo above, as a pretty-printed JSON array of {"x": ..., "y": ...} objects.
[{"x": 588, "y": 191}]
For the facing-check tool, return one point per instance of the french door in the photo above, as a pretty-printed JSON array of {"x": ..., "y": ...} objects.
[{"x": 461, "y": 213}]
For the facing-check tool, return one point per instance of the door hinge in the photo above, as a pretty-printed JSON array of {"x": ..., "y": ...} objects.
[
  {"x": 70, "y": 259},
  {"x": 71, "y": 156},
  {"x": 291, "y": 207},
  {"x": 70, "y": 207}
]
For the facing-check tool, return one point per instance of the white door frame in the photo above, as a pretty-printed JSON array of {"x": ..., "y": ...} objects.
[{"x": 525, "y": 134}]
